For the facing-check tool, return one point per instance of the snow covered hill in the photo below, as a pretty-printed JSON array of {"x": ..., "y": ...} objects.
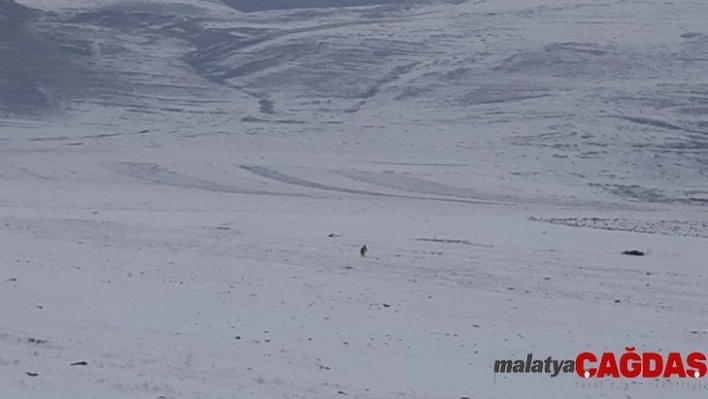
[
  {"x": 595, "y": 96},
  {"x": 185, "y": 186}
]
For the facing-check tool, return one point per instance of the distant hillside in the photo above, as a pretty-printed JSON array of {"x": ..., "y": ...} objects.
[{"x": 17, "y": 83}]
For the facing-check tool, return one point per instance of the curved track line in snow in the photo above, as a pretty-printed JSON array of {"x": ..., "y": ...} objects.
[
  {"x": 277, "y": 176},
  {"x": 421, "y": 186},
  {"x": 296, "y": 181},
  {"x": 155, "y": 173},
  {"x": 418, "y": 185}
]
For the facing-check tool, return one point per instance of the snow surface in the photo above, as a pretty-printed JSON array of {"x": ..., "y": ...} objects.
[{"x": 184, "y": 189}]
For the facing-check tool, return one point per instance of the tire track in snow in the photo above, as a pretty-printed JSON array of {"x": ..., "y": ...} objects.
[
  {"x": 157, "y": 174},
  {"x": 418, "y": 185},
  {"x": 280, "y": 177},
  {"x": 421, "y": 186}
]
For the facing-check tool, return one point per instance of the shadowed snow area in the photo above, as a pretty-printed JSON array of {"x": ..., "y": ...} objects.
[
  {"x": 24, "y": 60},
  {"x": 185, "y": 187}
]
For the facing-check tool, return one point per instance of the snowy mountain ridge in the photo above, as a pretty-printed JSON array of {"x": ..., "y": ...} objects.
[
  {"x": 186, "y": 186},
  {"x": 607, "y": 98}
]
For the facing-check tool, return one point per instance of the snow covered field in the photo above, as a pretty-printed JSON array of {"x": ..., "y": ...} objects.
[{"x": 184, "y": 189}]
